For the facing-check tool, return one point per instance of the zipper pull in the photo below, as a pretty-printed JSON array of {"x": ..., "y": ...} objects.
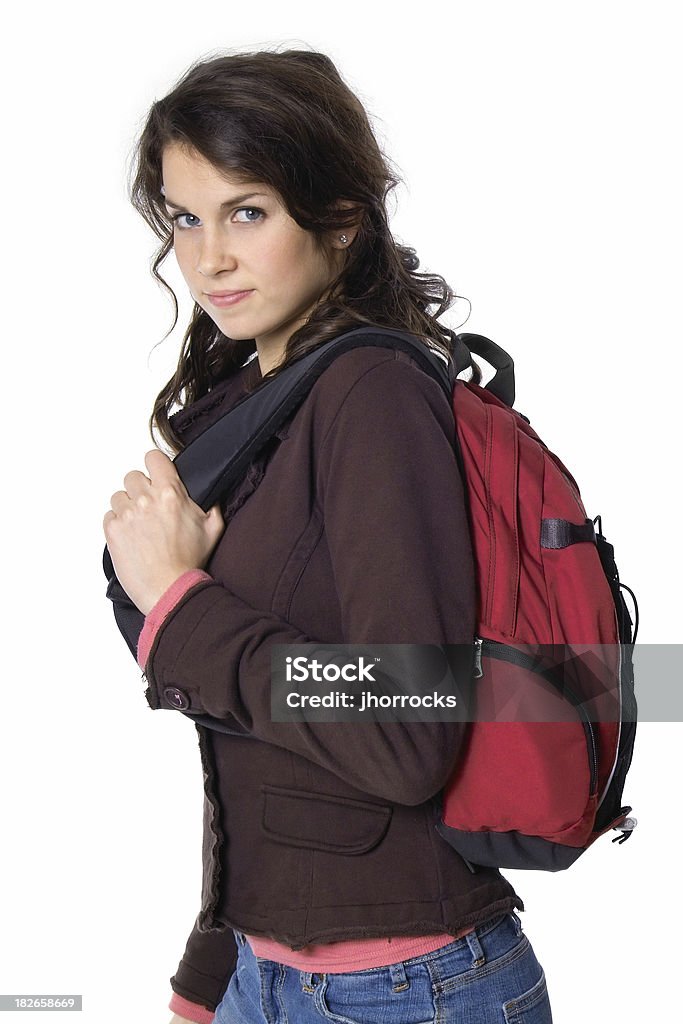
[
  {"x": 626, "y": 828},
  {"x": 478, "y": 671}
]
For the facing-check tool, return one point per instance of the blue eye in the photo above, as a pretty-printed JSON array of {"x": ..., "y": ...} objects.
[
  {"x": 250, "y": 209},
  {"x": 176, "y": 220}
]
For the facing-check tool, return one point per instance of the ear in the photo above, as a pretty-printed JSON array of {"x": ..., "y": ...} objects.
[{"x": 349, "y": 232}]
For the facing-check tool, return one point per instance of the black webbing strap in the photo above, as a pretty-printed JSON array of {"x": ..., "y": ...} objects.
[
  {"x": 210, "y": 465},
  {"x": 560, "y": 533}
]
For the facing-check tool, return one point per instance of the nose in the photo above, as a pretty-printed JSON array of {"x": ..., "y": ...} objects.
[{"x": 213, "y": 255}]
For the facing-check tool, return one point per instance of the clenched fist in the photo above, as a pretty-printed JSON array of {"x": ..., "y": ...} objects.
[{"x": 155, "y": 531}]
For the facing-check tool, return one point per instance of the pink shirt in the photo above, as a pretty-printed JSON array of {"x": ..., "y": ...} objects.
[{"x": 329, "y": 958}]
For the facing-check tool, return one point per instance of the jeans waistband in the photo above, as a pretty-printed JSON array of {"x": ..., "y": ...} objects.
[{"x": 472, "y": 941}]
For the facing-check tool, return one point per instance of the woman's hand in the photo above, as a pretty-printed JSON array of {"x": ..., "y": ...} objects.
[{"x": 155, "y": 531}]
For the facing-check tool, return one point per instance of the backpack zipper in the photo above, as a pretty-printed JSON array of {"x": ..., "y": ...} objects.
[{"x": 503, "y": 652}]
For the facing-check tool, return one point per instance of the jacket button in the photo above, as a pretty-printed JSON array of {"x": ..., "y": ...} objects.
[{"x": 176, "y": 698}]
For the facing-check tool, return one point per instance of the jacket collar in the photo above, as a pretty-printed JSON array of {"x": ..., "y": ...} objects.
[{"x": 193, "y": 419}]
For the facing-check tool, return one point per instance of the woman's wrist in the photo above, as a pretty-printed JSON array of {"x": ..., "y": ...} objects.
[
  {"x": 162, "y": 607},
  {"x": 163, "y": 584}
]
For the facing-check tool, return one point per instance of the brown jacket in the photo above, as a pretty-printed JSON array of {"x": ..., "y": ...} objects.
[{"x": 351, "y": 527}]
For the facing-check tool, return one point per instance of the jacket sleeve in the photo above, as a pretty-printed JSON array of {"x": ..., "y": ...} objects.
[
  {"x": 216, "y": 951},
  {"x": 396, "y": 527},
  {"x": 190, "y": 1011},
  {"x": 156, "y": 615}
]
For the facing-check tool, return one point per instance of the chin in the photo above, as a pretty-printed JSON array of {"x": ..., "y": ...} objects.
[
  {"x": 230, "y": 326},
  {"x": 234, "y": 333}
]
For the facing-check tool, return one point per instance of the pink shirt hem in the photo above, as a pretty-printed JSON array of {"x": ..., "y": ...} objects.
[{"x": 352, "y": 954}]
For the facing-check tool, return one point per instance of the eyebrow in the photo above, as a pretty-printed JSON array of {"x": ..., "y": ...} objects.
[{"x": 228, "y": 202}]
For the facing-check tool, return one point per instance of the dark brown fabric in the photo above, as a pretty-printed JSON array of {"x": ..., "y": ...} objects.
[{"x": 350, "y": 528}]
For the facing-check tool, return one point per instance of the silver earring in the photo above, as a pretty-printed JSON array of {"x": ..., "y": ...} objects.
[{"x": 343, "y": 238}]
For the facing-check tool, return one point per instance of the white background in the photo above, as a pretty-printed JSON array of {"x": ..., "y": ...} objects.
[{"x": 539, "y": 145}]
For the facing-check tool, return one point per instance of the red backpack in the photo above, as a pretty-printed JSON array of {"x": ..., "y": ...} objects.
[
  {"x": 553, "y": 642},
  {"x": 553, "y": 630}
]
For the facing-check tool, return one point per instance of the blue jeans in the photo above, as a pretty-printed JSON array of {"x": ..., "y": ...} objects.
[{"x": 490, "y": 976}]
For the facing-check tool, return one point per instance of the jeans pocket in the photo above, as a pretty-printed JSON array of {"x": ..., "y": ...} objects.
[
  {"x": 370, "y": 997},
  {"x": 506, "y": 983},
  {"x": 504, "y": 948},
  {"x": 532, "y": 1007}
]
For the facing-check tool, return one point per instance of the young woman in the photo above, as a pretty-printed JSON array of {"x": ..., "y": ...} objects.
[{"x": 327, "y": 893}]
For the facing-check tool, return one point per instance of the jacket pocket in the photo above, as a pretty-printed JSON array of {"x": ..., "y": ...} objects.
[{"x": 318, "y": 821}]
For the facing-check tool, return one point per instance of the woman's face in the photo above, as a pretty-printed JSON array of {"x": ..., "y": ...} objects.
[{"x": 231, "y": 237}]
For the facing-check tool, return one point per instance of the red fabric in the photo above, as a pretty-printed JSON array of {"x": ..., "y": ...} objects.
[
  {"x": 530, "y": 776},
  {"x": 156, "y": 615}
]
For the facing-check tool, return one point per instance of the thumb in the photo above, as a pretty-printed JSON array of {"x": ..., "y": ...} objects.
[{"x": 215, "y": 519}]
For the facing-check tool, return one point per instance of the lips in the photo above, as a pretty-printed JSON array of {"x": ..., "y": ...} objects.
[
  {"x": 222, "y": 295},
  {"x": 222, "y": 299}
]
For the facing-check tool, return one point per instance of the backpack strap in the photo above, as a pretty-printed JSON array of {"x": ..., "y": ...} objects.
[
  {"x": 502, "y": 384},
  {"x": 560, "y": 533},
  {"x": 217, "y": 458}
]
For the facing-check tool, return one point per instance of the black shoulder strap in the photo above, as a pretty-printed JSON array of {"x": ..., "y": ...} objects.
[
  {"x": 215, "y": 460},
  {"x": 218, "y": 458}
]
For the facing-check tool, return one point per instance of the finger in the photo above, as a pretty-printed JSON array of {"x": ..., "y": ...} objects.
[
  {"x": 136, "y": 483},
  {"x": 161, "y": 468},
  {"x": 213, "y": 517},
  {"x": 163, "y": 472},
  {"x": 109, "y": 516},
  {"x": 119, "y": 501},
  {"x": 216, "y": 521}
]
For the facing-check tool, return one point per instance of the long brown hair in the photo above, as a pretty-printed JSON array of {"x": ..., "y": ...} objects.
[{"x": 289, "y": 120}]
